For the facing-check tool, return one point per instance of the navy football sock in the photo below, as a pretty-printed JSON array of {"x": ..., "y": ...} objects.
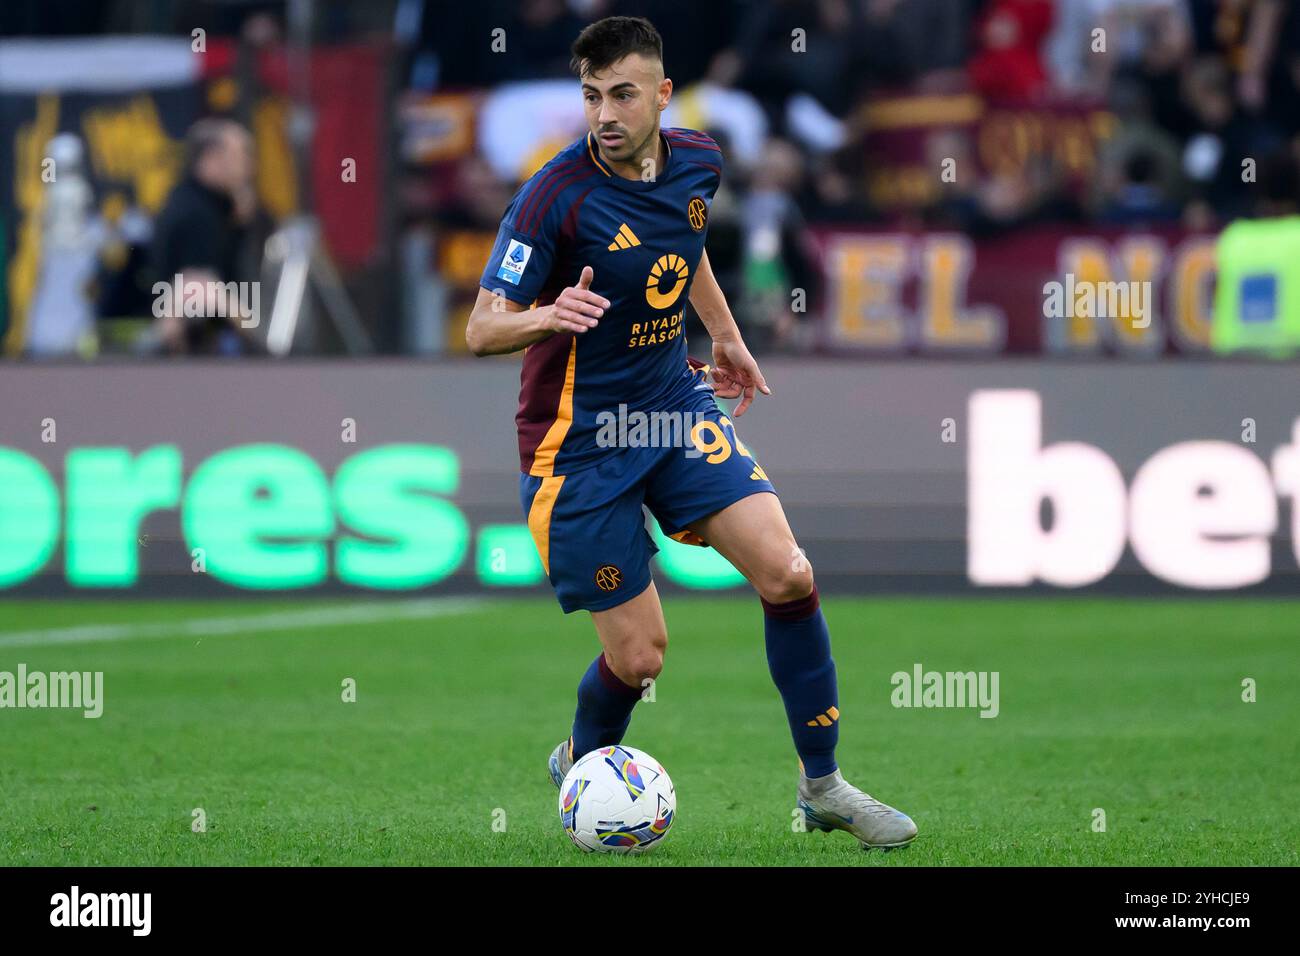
[
  {"x": 604, "y": 708},
  {"x": 799, "y": 658}
]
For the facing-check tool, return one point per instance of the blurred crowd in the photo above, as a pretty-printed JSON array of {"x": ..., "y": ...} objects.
[
  {"x": 1190, "y": 106},
  {"x": 1190, "y": 89},
  {"x": 1191, "y": 83}
]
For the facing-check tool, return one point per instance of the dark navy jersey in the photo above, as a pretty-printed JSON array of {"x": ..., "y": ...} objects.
[{"x": 643, "y": 241}]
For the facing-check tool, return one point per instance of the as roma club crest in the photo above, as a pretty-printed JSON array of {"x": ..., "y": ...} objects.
[
  {"x": 697, "y": 213},
  {"x": 608, "y": 577}
]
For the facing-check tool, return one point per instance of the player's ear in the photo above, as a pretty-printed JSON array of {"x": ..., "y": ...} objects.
[{"x": 665, "y": 93}]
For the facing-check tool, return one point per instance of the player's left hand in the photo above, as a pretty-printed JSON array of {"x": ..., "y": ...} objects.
[{"x": 735, "y": 373}]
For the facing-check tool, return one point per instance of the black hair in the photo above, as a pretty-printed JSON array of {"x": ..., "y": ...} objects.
[{"x": 609, "y": 40}]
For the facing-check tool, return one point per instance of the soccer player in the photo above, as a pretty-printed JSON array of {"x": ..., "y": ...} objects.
[{"x": 607, "y": 240}]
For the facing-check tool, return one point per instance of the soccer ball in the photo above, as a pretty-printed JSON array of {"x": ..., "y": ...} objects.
[{"x": 617, "y": 800}]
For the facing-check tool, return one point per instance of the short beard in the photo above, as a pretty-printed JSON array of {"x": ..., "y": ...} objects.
[{"x": 653, "y": 153}]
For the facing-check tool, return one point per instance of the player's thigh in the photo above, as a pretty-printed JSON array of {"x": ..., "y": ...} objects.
[
  {"x": 754, "y": 535},
  {"x": 707, "y": 469},
  {"x": 715, "y": 490},
  {"x": 590, "y": 534},
  {"x": 634, "y": 637}
]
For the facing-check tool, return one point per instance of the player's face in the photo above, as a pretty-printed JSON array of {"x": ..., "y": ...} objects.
[{"x": 623, "y": 103}]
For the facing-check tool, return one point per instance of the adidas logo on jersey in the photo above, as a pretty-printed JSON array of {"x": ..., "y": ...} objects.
[{"x": 624, "y": 239}]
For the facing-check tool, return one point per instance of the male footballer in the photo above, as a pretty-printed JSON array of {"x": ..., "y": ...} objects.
[{"x": 607, "y": 240}]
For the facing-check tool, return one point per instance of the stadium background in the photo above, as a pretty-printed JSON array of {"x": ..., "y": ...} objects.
[
  {"x": 901, "y": 193},
  {"x": 903, "y": 178}
]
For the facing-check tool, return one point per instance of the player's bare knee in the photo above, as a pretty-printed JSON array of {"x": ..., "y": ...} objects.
[
  {"x": 635, "y": 667},
  {"x": 781, "y": 585},
  {"x": 647, "y": 669}
]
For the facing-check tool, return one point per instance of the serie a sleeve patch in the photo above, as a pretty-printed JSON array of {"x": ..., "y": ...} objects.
[{"x": 514, "y": 262}]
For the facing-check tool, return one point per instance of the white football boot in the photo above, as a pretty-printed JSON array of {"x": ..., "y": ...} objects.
[
  {"x": 832, "y": 803},
  {"x": 560, "y": 762}
]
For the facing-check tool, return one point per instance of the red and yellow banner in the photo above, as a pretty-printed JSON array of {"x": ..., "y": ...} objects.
[{"x": 944, "y": 292}]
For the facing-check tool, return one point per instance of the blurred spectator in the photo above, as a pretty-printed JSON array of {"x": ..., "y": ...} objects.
[
  {"x": 1139, "y": 198},
  {"x": 1150, "y": 37},
  {"x": 784, "y": 47},
  {"x": 1138, "y": 179},
  {"x": 494, "y": 41},
  {"x": 1221, "y": 138},
  {"x": 62, "y": 319},
  {"x": 777, "y": 266},
  {"x": 693, "y": 31},
  {"x": 919, "y": 42},
  {"x": 197, "y": 242},
  {"x": 478, "y": 198},
  {"x": 831, "y": 192},
  {"x": 1258, "y": 41},
  {"x": 1008, "y": 59}
]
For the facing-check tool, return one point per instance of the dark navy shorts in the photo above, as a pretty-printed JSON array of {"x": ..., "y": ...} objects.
[{"x": 589, "y": 526}]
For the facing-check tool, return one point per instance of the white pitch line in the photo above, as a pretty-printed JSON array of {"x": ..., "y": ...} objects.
[{"x": 332, "y": 616}]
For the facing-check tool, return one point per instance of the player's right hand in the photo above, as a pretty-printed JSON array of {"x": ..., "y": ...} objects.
[{"x": 578, "y": 308}]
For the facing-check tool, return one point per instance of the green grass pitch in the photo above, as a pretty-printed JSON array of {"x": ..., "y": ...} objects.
[{"x": 1134, "y": 707}]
